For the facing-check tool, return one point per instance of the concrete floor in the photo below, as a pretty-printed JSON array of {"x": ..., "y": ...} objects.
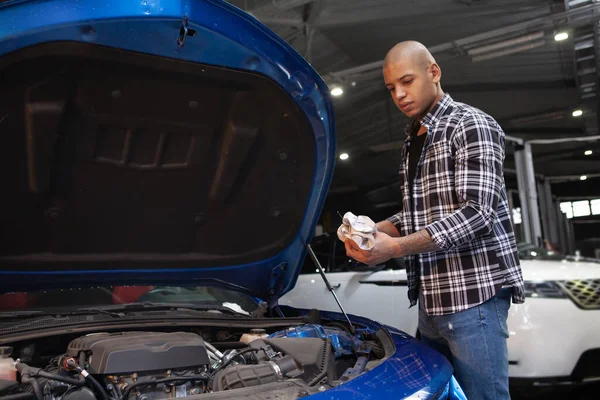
[{"x": 589, "y": 392}]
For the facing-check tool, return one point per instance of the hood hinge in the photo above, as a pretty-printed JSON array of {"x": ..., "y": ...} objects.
[{"x": 184, "y": 30}]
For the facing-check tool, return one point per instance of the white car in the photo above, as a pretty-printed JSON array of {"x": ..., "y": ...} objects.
[{"x": 554, "y": 335}]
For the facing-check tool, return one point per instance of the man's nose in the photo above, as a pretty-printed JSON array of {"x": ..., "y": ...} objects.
[{"x": 399, "y": 93}]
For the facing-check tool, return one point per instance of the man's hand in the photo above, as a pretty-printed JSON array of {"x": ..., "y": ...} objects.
[{"x": 385, "y": 248}]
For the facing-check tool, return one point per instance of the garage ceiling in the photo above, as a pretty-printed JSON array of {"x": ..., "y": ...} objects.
[{"x": 501, "y": 57}]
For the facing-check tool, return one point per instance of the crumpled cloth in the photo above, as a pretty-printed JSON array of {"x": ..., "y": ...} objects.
[{"x": 360, "y": 228}]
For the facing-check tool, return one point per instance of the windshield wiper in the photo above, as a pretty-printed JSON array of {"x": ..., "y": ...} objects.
[
  {"x": 21, "y": 314},
  {"x": 56, "y": 314},
  {"x": 149, "y": 306},
  {"x": 121, "y": 310}
]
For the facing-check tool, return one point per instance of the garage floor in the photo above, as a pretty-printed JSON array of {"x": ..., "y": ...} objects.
[{"x": 589, "y": 392}]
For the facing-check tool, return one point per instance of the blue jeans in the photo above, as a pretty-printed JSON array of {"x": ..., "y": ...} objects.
[{"x": 474, "y": 341}]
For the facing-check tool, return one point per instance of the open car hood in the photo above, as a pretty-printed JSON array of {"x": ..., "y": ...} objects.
[{"x": 156, "y": 142}]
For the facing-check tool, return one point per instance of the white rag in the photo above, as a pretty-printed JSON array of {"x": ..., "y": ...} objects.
[{"x": 361, "y": 229}]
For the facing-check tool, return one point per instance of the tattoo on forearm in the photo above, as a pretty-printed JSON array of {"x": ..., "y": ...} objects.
[
  {"x": 418, "y": 242},
  {"x": 405, "y": 248}
]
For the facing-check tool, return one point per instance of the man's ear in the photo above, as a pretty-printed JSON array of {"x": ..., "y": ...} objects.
[{"x": 436, "y": 73}]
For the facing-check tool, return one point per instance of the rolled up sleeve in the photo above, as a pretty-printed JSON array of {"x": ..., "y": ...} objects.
[
  {"x": 396, "y": 218},
  {"x": 478, "y": 146}
]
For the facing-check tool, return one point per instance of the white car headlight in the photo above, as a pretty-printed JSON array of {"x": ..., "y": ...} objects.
[{"x": 547, "y": 289}]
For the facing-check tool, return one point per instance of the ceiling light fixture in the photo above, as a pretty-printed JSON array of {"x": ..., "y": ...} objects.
[
  {"x": 588, "y": 152},
  {"x": 509, "y": 51},
  {"x": 559, "y": 37},
  {"x": 338, "y": 91},
  {"x": 505, "y": 43},
  {"x": 577, "y": 113},
  {"x": 344, "y": 156},
  {"x": 582, "y": 177}
]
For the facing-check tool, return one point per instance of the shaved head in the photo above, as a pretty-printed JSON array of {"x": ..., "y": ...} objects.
[
  {"x": 413, "y": 77},
  {"x": 409, "y": 51}
]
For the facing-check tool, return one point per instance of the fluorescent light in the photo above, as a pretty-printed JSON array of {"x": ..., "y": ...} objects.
[
  {"x": 506, "y": 43},
  {"x": 588, "y": 152},
  {"x": 512, "y": 50},
  {"x": 337, "y": 91},
  {"x": 344, "y": 156},
  {"x": 573, "y": 3},
  {"x": 561, "y": 36},
  {"x": 577, "y": 113},
  {"x": 582, "y": 177}
]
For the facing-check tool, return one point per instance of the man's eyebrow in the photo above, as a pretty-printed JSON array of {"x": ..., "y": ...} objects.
[
  {"x": 405, "y": 76},
  {"x": 401, "y": 78}
]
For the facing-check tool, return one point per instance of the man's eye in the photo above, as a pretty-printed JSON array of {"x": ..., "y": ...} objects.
[{"x": 408, "y": 82}]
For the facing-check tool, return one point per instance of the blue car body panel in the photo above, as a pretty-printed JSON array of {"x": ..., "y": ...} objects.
[
  {"x": 414, "y": 371},
  {"x": 226, "y": 37}
]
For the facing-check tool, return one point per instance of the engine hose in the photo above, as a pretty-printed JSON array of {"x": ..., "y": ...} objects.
[
  {"x": 82, "y": 359},
  {"x": 159, "y": 381},
  {"x": 98, "y": 387},
  {"x": 63, "y": 379},
  {"x": 37, "y": 391},
  {"x": 71, "y": 363},
  {"x": 27, "y": 371},
  {"x": 226, "y": 363}
]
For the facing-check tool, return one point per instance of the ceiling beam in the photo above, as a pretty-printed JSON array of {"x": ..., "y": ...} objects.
[
  {"x": 576, "y": 17},
  {"x": 279, "y": 6},
  {"x": 392, "y": 11},
  {"x": 492, "y": 86},
  {"x": 510, "y": 86}
]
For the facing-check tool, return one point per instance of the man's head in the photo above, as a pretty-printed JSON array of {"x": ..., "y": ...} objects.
[{"x": 413, "y": 78}]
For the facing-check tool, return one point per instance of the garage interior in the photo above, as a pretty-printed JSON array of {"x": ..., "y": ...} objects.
[{"x": 531, "y": 64}]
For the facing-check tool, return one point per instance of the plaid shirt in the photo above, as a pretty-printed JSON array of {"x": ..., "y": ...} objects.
[{"x": 458, "y": 196}]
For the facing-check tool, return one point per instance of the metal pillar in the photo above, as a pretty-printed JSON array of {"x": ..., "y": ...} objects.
[
  {"x": 532, "y": 227},
  {"x": 570, "y": 231},
  {"x": 544, "y": 217},
  {"x": 549, "y": 220},
  {"x": 511, "y": 206},
  {"x": 552, "y": 233},
  {"x": 522, "y": 196},
  {"x": 562, "y": 233},
  {"x": 518, "y": 229}
]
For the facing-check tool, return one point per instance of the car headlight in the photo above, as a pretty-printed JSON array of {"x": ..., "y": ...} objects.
[{"x": 547, "y": 289}]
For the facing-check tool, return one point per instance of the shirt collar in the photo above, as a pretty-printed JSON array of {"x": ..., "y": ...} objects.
[
  {"x": 436, "y": 113},
  {"x": 438, "y": 110}
]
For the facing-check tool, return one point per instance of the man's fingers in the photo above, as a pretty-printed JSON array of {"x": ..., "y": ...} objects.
[{"x": 353, "y": 251}]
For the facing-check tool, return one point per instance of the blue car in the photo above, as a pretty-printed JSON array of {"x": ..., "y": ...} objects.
[{"x": 163, "y": 167}]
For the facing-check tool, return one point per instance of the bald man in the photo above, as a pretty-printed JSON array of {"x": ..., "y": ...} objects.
[{"x": 454, "y": 228}]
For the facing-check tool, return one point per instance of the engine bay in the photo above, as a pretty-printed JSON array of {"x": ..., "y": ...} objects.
[{"x": 155, "y": 364}]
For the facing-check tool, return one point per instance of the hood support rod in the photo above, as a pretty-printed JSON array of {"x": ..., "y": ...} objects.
[{"x": 329, "y": 287}]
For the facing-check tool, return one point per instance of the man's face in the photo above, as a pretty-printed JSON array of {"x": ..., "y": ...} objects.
[{"x": 412, "y": 86}]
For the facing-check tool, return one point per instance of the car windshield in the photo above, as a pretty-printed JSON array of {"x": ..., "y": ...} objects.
[
  {"x": 99, "y": 296},
  {"x": 531, "y": 252}
]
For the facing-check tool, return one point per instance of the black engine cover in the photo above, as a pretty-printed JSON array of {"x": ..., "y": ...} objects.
[{"x": 127, "y": 352}]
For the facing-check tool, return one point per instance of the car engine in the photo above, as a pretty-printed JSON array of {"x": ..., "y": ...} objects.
[{"x": 140, "y": 365}]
